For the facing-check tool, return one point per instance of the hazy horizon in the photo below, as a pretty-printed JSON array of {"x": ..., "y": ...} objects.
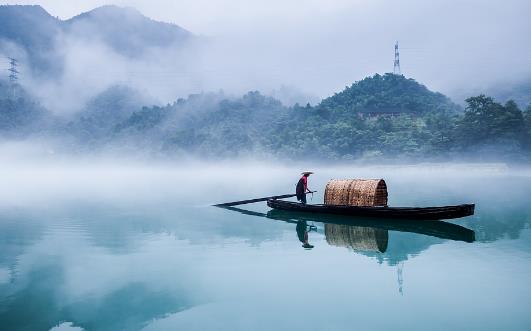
[{"x": 311, "y": 50}]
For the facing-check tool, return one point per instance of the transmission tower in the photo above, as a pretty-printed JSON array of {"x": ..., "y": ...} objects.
[
  {"x": 396, "y": 68},
  {"x": 13, "y": 75}
]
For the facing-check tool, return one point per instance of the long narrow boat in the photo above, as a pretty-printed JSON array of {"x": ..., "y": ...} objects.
[{"x": 411, "y": 213}]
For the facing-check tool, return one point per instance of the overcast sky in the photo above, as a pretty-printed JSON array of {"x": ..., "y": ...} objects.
[{"x": 319, "y": 46}]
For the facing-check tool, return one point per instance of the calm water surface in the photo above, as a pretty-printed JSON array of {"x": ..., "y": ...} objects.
[{"x": 139, "y": 248}]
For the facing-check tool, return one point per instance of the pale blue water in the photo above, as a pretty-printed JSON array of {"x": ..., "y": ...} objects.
[{"x": 138, "y": 248}]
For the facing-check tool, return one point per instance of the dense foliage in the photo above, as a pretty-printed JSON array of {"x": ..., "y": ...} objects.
[
  {"x": 388, "y": 94},
  {"x": 354, "y": 124},
  {"x": 20, "y": 115},
  {"x": 380, "y": 117}
]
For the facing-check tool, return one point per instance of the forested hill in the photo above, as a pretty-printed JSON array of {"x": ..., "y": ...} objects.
[
  {"x": 388, "y": 94},
  {"x": 214, "y": 125}
]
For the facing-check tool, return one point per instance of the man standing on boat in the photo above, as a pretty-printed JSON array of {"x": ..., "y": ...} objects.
[{"x": 302, "y": 187}]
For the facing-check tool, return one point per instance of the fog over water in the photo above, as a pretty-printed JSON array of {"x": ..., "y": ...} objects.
[
  {"x": 33, "y": 173},
  {"x": 106, "y": 244}
]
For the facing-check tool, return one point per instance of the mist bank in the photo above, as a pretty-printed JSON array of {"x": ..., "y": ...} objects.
[
  {"x": 79, "y": 93},
  {"x": 102, "y": 186},
  {"x": 65, "y": 63},
  {"x": 296, "y": 53},
  {"x": 30, "y": 178},
  {"x": 382, "y": 118}
]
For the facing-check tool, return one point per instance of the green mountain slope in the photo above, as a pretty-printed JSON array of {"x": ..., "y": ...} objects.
[{"x": 388, "y": 93}]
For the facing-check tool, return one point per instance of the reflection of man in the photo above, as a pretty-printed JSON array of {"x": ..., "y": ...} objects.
[{"x": 302, "y": 233}]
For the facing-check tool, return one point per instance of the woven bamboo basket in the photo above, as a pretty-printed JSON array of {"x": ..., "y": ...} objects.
[
  {"x": 356, "y": 192},
  {"x": 357, "y": 237}
]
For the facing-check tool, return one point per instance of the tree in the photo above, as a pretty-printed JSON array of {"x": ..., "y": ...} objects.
[{"x": 488, "y": 122}]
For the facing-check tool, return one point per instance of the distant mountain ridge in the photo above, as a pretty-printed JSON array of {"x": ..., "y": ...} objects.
[
  {"x": 125, "y": 30},
  {"x": 33, "y": 30}
]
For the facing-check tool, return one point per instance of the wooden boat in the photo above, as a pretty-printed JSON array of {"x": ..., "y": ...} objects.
[{"x": 410, "y": 213}]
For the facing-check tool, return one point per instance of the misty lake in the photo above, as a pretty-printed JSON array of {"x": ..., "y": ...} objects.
[{"x": 87, "y": 245}]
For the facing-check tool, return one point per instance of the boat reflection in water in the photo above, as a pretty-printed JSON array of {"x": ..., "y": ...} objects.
[
  {"x": 370, "y": 236},
  {"x": 373, "y": 229},
  {"x": 365, "y": 234},
  {"x": 357, "y": 238}
]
